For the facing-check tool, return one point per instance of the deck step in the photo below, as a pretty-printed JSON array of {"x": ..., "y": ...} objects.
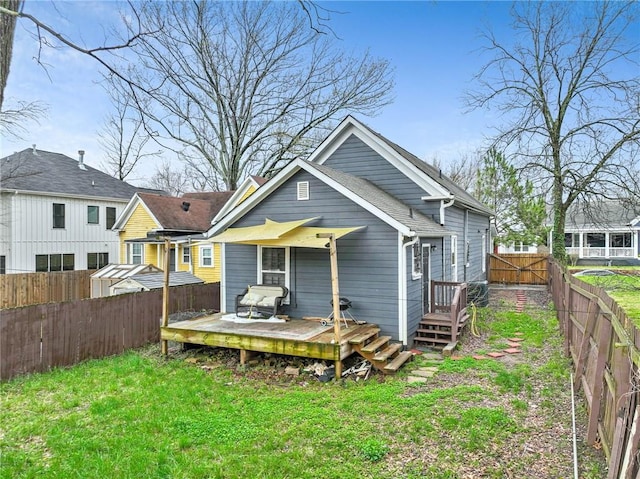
[
  {"x": 434, "y": 331},
  {"x": 432, "y": 340},
  {"x": 362, "y": 337},
  {"x": 398, "y": 361},
  {"x": 376, "y": 344},
  {"x": 437, "y": 316},
  {"x": 436, "y": 322},
  {"x": 388, "y": 352}
]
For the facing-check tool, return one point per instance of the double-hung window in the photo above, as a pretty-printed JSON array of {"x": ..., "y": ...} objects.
[
  {"x": 135, "y": 253},
  {"x": 273, "y": 266},
  {"x": 58, "y": 215},
  {"x": 206, "y": 256},
  {"x": 186, "y": 254}
]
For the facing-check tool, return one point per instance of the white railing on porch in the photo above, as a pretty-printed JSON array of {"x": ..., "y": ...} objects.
[{"x": 602, "y": 252}]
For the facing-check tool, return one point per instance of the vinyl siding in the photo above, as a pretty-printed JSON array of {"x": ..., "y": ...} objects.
[
  {"x": 356, "y": 158},
  {"x": 207, "y": 274},
  {"x": 367, "y": 259},
  {"x": 140, "y": 222},
  {"x": 27, "y": 230}
]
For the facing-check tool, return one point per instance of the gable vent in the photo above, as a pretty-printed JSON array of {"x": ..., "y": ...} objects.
[{"x": 303, "y": 190}]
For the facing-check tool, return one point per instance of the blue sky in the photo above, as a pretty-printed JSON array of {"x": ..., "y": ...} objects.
[{"x": 433, "y": 47}]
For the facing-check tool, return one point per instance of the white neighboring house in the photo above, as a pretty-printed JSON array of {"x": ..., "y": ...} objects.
[
  {"x": 519, "y": 247},
  {"x": 609, "y": 230},
  {"x": 56, "y": 213}
]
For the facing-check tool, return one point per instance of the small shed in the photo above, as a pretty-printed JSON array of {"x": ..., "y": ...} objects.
[
  {"x": 112, "y": 273},
  {"x": 149, "y": 281}
]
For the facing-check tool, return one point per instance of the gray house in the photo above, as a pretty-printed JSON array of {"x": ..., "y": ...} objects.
[{"x": 416, "y": 226}]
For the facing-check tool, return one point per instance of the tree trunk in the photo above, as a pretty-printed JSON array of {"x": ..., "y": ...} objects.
[
  {"x": 559, "y": 216},
  {"x": 7, "y": 29}
]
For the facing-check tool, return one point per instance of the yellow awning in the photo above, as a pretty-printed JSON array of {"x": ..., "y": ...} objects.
[
  {"x": 290, "y": 233},
  {"x": 270, "y": 230},
  {"x": 304, "y": 237}
]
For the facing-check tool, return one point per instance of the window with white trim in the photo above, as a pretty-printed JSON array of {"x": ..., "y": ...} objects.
[
  {"x": 135, "y": 253},
  {"x": 416, "y": 270},
  {"x": 454, "y": 258},
  {"x": 303, "y": 190},
  {"x": 186, "y": 254},
  {"x": 273, "y": 266},
  {"x": 484, "y": 253},
  {"x": 206, "y": 256}
]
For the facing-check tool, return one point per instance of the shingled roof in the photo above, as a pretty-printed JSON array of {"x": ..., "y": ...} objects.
[
  {"x": 173, "y": 213},
  {"x": 402, "y": 213},
  {"x": 42, "y": 171},
  {"x": 434, "y": 173}
]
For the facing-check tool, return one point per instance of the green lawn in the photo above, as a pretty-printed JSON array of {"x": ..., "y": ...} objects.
[
  {"x": 140, "y": 416},
  {"x": 624, "y": 288}
]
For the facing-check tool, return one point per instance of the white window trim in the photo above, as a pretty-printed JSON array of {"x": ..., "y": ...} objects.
[
  {"x": 484, "y": 253},
  {"x": 415, "y": 275},
  {"x": 303, "y": 190},
  {"x": 184, "y": 249},
  {"x": 201, "y": 256},
  {"x": 130, "y": 253},
  {"x": 287, "y": 267},
  {"x": 454, "y": 257}
]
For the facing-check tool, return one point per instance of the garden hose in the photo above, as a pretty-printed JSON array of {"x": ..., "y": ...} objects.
[{"x": 474, "y": 327}]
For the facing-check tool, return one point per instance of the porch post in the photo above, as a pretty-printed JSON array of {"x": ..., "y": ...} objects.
[
  {"x": 165, "y": 293},
  {"x": 335, "y": 290},
  {"x": 606, "y": 244}
]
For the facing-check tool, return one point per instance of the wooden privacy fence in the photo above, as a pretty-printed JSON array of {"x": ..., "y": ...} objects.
[
  {"x": 518, "y": 268},
  {"x": 35, "y": 288},
  {"x": 39, "y": 337},
  {"x": 605, "y": 347}
]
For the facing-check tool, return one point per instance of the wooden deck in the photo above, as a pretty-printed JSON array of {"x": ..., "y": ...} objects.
[{"x": 296, "y": 337}]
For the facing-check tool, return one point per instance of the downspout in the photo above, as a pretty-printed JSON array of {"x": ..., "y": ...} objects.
[
  {"x": 403, "y": 300},
  {"x": 445, "y": 204}
]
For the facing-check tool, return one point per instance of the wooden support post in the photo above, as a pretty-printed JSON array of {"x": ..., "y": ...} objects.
[
  {"x": 165, "y": 293},
  {"x": 335, "y": 290}
]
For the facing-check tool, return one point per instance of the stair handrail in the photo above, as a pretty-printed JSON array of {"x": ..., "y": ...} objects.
[{"x": 458, "y": 307}]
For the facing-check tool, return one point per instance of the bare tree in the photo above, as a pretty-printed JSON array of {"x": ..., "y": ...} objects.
[
  {"x": 172, "y": 180},
  {"x": 49, "y": 36},
  {"x": 243, "y": 86},
  {"x": 123, "y": 136},
  {"x": 570, "y": 87},
  {"x": 463, "y": 170}
]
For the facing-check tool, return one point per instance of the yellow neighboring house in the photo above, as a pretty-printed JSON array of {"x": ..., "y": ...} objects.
[{"x": 149, "y": 218}]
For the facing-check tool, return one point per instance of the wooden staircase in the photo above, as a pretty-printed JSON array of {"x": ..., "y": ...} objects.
[
  {"x": 435, "y": 332},
  {"x": 384, "y": 356},
  {"x": 442, "y": 327}
]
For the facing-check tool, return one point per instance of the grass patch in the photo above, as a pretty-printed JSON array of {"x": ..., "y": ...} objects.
[
  {"x": 623, "y": 288},
  {"x": 139, "y": 415}
]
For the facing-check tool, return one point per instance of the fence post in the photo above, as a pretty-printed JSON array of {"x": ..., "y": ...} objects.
[
  {"x": 604, "y": 341},
  {"x": 592, "y": 317},
  {"x": 566, "y": 328}
]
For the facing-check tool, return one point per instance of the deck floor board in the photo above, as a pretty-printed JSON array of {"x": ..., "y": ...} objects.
[{"x": 297, "y": 337}]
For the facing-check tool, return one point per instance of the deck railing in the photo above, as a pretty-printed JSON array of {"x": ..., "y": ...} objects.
[{"x": 450, "y": 297}]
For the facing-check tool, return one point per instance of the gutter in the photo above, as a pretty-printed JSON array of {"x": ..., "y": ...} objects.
[{"x": 445, "y": 202}]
